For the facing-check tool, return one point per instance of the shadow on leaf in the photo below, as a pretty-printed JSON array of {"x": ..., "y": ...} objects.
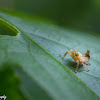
[{"x": 72, "y": 65}]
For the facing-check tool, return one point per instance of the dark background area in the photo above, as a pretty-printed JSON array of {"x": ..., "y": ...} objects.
[{"x": 80, "y": 14}]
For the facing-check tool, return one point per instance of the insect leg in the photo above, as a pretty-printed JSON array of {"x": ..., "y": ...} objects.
[
  {"x": 66, "y": 53},
  {"x": 76, "y": 67},
  {"x": 85, "y": 67},
  {"x": 87, "y": 63}
]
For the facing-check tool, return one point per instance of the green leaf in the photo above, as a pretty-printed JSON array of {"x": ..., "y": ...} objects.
[{"x": 33, "y": 57}]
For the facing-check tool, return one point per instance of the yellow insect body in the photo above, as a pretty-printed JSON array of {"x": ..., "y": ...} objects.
[{"x": 79, "y": 57}]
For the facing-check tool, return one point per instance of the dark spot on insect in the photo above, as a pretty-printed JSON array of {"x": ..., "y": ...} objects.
[{"x": 87, "y": 55}]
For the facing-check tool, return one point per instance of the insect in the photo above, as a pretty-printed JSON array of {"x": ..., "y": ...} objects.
[{"x": 79, "y": 58}]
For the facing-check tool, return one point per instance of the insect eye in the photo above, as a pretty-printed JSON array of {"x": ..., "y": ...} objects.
[{"x": 76, "y": 54}]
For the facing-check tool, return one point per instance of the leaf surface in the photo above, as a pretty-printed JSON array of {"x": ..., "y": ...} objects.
[{"x": 33, "y": 54}]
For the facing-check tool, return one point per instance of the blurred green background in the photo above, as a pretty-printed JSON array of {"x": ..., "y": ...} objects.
[{"x": 80, "y": 14}]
